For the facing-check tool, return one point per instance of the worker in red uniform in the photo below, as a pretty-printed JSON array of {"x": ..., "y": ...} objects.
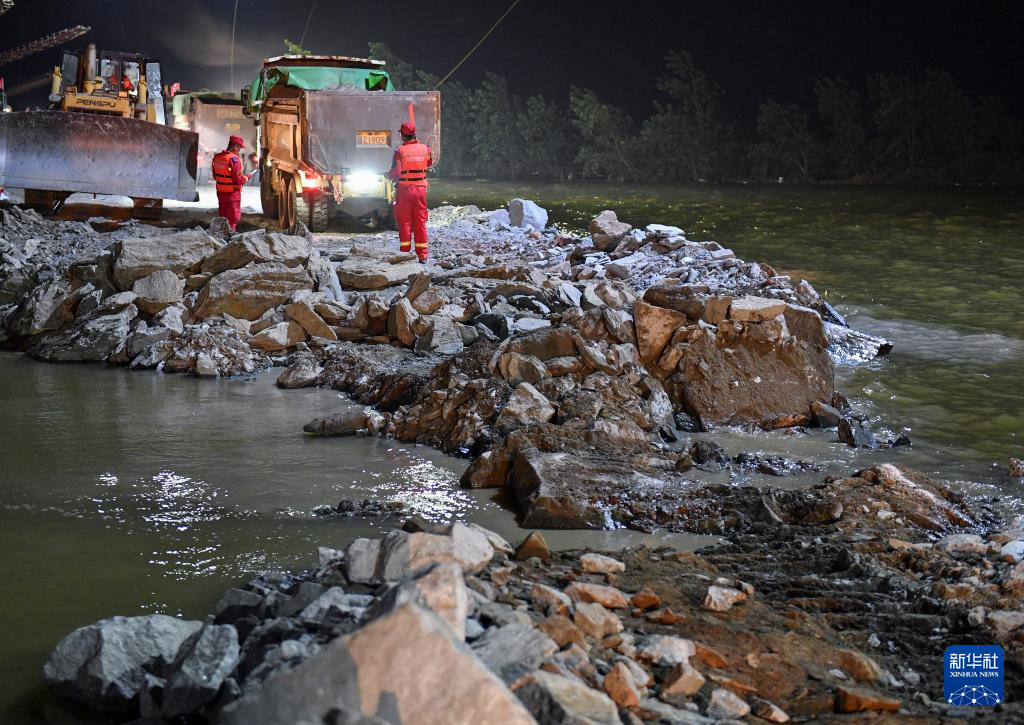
[
  {"x": 227, "y": 174},
  {"x": 409, "y": 170}
]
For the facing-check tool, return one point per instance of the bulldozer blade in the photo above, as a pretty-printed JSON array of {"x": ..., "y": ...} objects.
[{"x": 81, "y": 152}]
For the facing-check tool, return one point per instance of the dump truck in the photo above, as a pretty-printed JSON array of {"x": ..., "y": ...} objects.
[
  {"x": 104, "y": 134},
  {"x": 328, "y": 127},
  {"x": 214, "y": 115}
]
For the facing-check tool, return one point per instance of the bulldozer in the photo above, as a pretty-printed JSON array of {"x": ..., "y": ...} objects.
[{"x": 104, "y": 134}]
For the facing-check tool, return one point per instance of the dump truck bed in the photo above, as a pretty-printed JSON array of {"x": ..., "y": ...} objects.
[
  {"x": 79, "y": 152},
  {"x": 359, "y": 130}
]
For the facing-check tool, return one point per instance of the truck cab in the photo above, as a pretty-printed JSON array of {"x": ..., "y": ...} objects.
[{"x": 328, "y": 127}]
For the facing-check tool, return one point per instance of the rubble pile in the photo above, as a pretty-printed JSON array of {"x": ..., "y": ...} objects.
[{"x": 443, "y": 624}]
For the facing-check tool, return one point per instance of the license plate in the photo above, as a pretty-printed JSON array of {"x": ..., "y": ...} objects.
[{"x": 374, "y": 138}]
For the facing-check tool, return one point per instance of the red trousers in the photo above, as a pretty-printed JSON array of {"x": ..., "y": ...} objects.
[
  {"x": 229, "y": 206},
  {"x": 411, "y": 215}
]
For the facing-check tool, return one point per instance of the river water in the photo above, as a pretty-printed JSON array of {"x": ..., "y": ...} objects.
[{"x": 132, "y": 492}]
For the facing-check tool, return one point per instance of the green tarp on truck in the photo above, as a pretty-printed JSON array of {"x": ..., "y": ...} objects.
[{"x": 316, "y": 79}]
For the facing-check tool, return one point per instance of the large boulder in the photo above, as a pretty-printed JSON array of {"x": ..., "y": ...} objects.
[
  {"x": 553, "y": 698},
  {"x": 91, "y": 340},
  {"x": 259, "y": 246},
  {"x": 202, "y": 664},
  {"x": 514, "y": 650},
  {"x": 405, "y": 667},
  {"x": 403, "y": 554},
  {"x": 525, "y": 213},
  {"x": 749, "y": 374},
  {"x": 654, "y": 328},
  {"x": 105, "y": 664},
  {"x": 527, "y": 406},
  {"x": 401, "y": 319},
  {"x": 158, "y": 290},
  {"x": 371, "y": 267},
  {"x": 249, "y": 292},
  {"x": 303, "y": 313},
  {"x": 442, "y": 590},
  {"x": 43, "y": 309},
  {"x": 278, "y": 337},
  {"x": 606, "y": 230},
  {"x": 180, "y": 252}
]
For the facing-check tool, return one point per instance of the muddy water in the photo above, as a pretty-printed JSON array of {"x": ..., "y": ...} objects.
[{"x": 125, "y": 493}]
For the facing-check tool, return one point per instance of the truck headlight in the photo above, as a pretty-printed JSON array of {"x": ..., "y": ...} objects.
[{"x": 362, "y": 181}]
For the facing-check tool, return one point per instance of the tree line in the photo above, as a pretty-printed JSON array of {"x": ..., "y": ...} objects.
[{"x": 892, "y": 129}]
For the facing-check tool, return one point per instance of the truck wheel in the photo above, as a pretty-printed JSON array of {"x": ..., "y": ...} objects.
[
  {"x": 312, "y": 211},
  {"x": 286, "y": 205},
  {"x": 268, "y": 198}
]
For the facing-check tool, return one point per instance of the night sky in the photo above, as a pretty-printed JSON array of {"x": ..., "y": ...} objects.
[{"x": 754, "y": 49}]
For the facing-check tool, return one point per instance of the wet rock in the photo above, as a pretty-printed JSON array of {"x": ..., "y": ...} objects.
[
  {"x": 258, "y": 246},
  {"x": 526, "y": 407},
  {"x": 606, "y": 230},
  {"x": 249, "y": 292},
  {"x": 202, "y": 664},
  {"x": 404, "y": 667},
  {"x": 554, "y": 699},
  {"x": 532, "y": 546},
  {"x": 104, "y": 664},
  {"x": 856, "y": 434},
  {"x": 91, "y": 340},
  {"x": 342, "y": 424},
  {"x": 855, "y": 346},
  {"x": 547, "y": 486},
  {"x": 314, "y": 325},
  {"x": 708, "y": 455},
  {"x": 525, "y": 213},
  {"x": 724, "y": 704},
  {"x": 180, "y": 253},
  {"x": 371, "y": 267},
  {"x": 1016, "y": 467},
  {"x": 849, "y": 699},
  {"x": 514, "y": 650},
  {"x": 600, "y": 564},
  {"x": 441, "y": 590},
  {"x": 825, "y": 415},
  {"x": 281, "y": 336}
]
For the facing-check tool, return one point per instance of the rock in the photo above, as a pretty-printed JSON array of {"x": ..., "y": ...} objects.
[
  {"x": 371, "y": 267},
  {"x": 604, "y": 595},
  {"x": 444, "y": 336},
  {"x": 403, "y": 667},
  {"x": 524, "y": 213},
  {"x": 428, "y": 302},
  {"x": 514, "y": 650},
  {"x": 205, "y": 366},
  {"x": 723, "y": 704},
  {"x": 1012, "y": 551},
  {"x": 203, "y": 663},
  {"x": 665, "y": 650},
  {"x": 490, "y": 470},
  {"x": 530, "y": 324},
  {"x": 258, "y": 246},
  {"x": 158, "y": 290},
  {"x": 963, "y": 544},
  {"x": 756, "y": 309},
  {"x": 341, "y": 424},
  {"x": 825, "y": 415},
  {"x": 361, "y": 558},
  {"x": 441, "y": 590},
  {"x": 418, "y": 284},
  {"x": 547, "y": 487},
  {"x": 859, "y": 666},
  {"x": 721, "y": 599},
  {"x": 606, "y": 230},
  {"x": 401, "y": 319},
  {"x": 403, "y": 554},
  {"x": 91, "y": 340},
  {"x": 235, "y": 604},
  {"x": 645, "y": 599},
  {"x": 555, "y": 699},
  {"x": 171, "y": 318},
  {"x": 849, "y": 699},
  {"x": 281, "y": 336},
  {"x": 677, "y": 295},
  {"x": 249, "y": 292},
  {"x": 180, "y": 253},
  {"x": 569, "y": 294},
  {"x": 806, "y": 324},
  {"x": 562, "y": 631},
  {"x": 768, "y": 710},
  {"x": 550, "y": 600},
  {"x": 300, "y": 374},
  {"x": 595, "y": 621},
  {"x": 104, "y": 664},
  {"x": 600, "y": 564},
  {"x": 1016, "y": 467},
  {"x": 314, "y": 325},
  {"x": 654, "y": 328},
  {"x": 681, "y": 681},
  {"x": 516, "y": 368},
  {"x": 620, "y": 325},
  {"x": 525, "y": 407},
  {"x": 621, "y": 687},
  {"x": 532, "y": 546},
  {"x": 856, "y": 434},
  {"x": 1004, "y": 621}
]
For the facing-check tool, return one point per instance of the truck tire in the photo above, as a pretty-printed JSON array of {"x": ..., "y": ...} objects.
[
  {"x": 268, "y": 197},
  {"x": 286, "y": 204},
  {"x": 312, "y": 211}
]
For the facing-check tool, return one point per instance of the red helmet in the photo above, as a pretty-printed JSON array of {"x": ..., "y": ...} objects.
[
  {"x": 408, "y": 129},
  {"x": 236, "y": 139}
]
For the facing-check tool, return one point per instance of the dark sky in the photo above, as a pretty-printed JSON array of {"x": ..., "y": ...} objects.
[{"x": 753, "y": 49}]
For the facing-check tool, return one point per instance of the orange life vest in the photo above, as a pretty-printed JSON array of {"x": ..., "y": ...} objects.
[
  {"x": 224, "y": 172},
  {"x": 414, "y": 160}
]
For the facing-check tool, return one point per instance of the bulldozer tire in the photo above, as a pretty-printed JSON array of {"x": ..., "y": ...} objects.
[
  {"x": 312, "y": 211},
  {"x": 268, "y": 197}
]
